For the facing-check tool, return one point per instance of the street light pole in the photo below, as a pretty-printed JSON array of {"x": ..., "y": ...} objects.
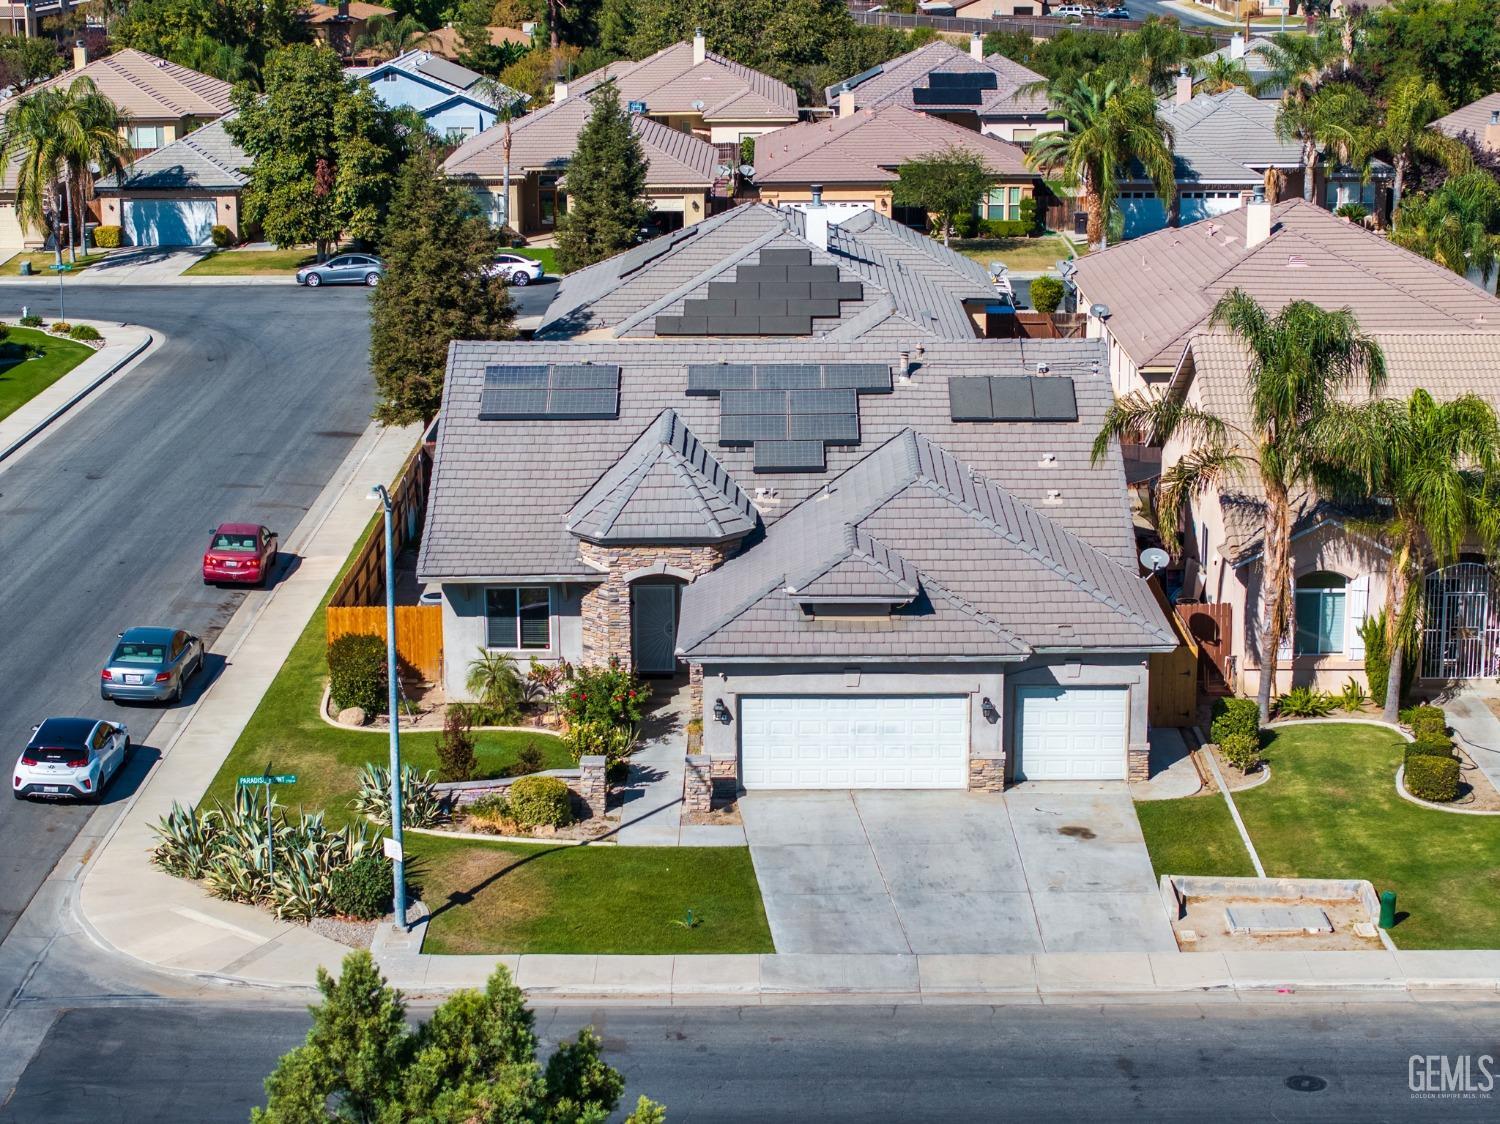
[{"x": 399, "y": 859}]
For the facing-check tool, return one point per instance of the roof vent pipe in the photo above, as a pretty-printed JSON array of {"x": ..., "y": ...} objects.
[
  {"x": 700, "y": 47},
  {"x": 903, "y": 367},
  {"x": 976, "y": 47},
  {"x": 815, "y": 219},
  {"x": 1257, "y": 219}
]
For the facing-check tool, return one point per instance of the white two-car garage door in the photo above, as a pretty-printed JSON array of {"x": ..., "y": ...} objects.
[
  {"x": 878, "y": 741},
  {"x": 1070, "y": 733},
  {"x": 169, "y": 222}
]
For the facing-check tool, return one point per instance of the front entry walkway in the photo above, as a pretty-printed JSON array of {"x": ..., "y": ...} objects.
[{"x": 1044, "y": 868}]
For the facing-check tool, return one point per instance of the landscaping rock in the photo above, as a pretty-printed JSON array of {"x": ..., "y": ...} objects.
[{"x": 353, "y": 716}]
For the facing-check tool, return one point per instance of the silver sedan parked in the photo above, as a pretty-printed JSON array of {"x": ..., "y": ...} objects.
[
  {"x": 151, "y": 665},
  {"x": 345, "y": 269}
]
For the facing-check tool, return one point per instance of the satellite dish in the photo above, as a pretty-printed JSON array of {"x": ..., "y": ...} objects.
[
  {"x": 1153, "y": 558},
  {"x": 722, "y": 170},
  {"x": 997, "y": 268},
  {"x": 698, "y": 105},
  {"x": 747, "y": 170},
  {"x": 1099, "y": 311}
]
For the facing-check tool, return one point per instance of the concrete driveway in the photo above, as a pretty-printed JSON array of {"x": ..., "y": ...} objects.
[{"x": 1044, "y": 868}]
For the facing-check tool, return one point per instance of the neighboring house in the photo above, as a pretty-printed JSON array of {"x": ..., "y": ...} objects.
[
  {"x": 1252, "y": 53},
  {"x": 164, "y": 102},
  {"x": 997, "y": 9},
  {"x": 1155, "y": 296},
  {"x": 879, "y": 570},
  {"x": 339, "y": 26},
  {"x": 993, "y": 95},
  {"x": 1240, "y": 11},
  {"x": 177, "y": 194},
  {"x": 853, "y": 158},
  {"x": 445, "y": 43},
  {"x": 876, "y": 279},
  {"x": 689, "y": 88},
  {"x": 679, "y": 181},
  {"x": 453, "y": 100},
  {"x": 1480, "y": 119}
]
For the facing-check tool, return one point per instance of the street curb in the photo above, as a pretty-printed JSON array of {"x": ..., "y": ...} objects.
[{"x": 31, "y": 434}]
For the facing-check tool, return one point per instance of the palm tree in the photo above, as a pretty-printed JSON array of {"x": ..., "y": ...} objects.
[
  {"x": 385, "y": 37},
  {"x": 1434, "y": 466},
  {"x": 1219, "y": 75},
  {"x": 1330, "y": 117},
  {"x": 1412, "y": 104},
  {"x": 32, "y": 141},
  {"x": 1300, "y": 361},
  {"x": 1454, "y": 225},
  {"x": 1156, "y": 51},
  {"x": 1294, "y": 64},
  {"x": 495, "y": 682},
  {"x": 1110, "y": 127},
  {"x": 92, "y": 135}
]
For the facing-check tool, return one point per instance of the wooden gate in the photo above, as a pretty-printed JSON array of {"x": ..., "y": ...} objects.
[
  {"x": 419, "y": 634},
  {"x": 1211, "y": 626}
]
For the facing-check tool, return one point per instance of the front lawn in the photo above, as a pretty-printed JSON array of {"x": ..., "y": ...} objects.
[
  {"x": 251, "y": 263},
  {"x": 514, "y": 897},
  {"x": 544, "y": 254},
  {"x": 1193, "y": 835},
  {"x": 287, "y": 732},
  {"x": 22, "y": 379},
  {"x": 1020, "y": 255},
  {"x": 42, "y": 262}
]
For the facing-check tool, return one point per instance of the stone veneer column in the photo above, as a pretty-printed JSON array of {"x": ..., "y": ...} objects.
[
  {"x": 1138, "y": 762},
  {"x": 697, "y": 786},
  {"x": 593, "y": 784},
  {"x": 605, "y": 609},
  {"x": 986, "y": 774},
  {"x": 695, "y": 690}
]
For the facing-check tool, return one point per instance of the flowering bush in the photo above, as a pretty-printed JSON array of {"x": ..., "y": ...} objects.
[{"x": 608, "y": 696}]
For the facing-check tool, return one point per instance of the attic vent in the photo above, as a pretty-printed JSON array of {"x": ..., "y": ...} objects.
[
  {"x": 1012, "y": 398},
  {"x": 1054, "y": 495},
  {"x": 1296, "y": 261}
]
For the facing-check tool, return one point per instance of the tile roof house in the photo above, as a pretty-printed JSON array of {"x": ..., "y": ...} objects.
[
  {"x": 340, "y": 25},
  {"x": 854, "y": 159},
  {"x": 686, "y": 86},
  {"x": 908, "y": 286},
  {"x": 1252, "y": 53},
  {"x": 1438, "y": 332},
  {"x": 177, "y": 194},
  {"x": 915, "y": 541},
  {"x": 1480, "y": 119},
  {"x": 679, "y": 180},
  {"x": 988, "y": 94},
  {"x": 445, "y": 43},
  {"x": 453, "y": 100}
]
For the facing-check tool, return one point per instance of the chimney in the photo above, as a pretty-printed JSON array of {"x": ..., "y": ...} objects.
[
  {"x": 700, "y": 46},
  {"x": 343, "y": 10},
  {"x": 1184, "y": 88},
  {"x": 976, "y": 47},
  {"x": 1257, "y": 219},
  {"x": 80, "y": 55},
  {"x": 1492, "y": 132},
  {"x": 1236, "y": 46},
  {"x": 815, "y": 219},
  {"x": 559, "y": 91},
  {"x": 846, "y": 101}
]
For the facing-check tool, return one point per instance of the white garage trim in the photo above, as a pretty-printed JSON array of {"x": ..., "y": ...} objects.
[
  {"x": 854, "y": 741},
  {"x": 1071, "y": 733}
]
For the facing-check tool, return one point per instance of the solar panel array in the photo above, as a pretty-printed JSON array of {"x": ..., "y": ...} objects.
[
  {"x": 780, "y": 296},
  {"x": 955, "y": 88},
  {"x": 1012, "y": 398},
  {"x": 789, "y": 412},
  {"x": 550, "y": 392}
]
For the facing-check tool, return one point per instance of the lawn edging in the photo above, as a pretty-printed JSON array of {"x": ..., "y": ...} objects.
[
  {"x": 1419, "y": 802},
  {"x": 1234, "y": 814},
  {"x": 481, "y": 837},
  {"x": 385, "y": 730}
]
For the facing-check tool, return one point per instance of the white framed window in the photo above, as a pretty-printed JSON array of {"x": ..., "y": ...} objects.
[
  {"x": 146, "y": 136},
  {"x": 1320, "y": 598},
  {"x": 518, "y": 618},
  {"x": 457, "y": 134}
]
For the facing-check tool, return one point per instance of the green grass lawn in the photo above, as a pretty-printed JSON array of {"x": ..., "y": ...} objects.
[
  {"x": 22, "y": 379},
  {"x": 287, "y": 732},
  {"x": 1194, "y": 835},
  {"x": 509, "y": 897},
  {"x": 544, "y": 254},
  {"x": 1019, "y": 254},
  {"x": 42, "y": 262},
  {"x": 251, "y": 263}
]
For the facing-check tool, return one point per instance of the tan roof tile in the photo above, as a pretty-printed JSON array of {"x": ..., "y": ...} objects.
[
  {"x": 147, "y": 87},
  {"x": 669, "y": 82}
]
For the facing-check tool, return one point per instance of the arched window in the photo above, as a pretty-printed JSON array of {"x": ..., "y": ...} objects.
[{"x": 1320, "y": 613}]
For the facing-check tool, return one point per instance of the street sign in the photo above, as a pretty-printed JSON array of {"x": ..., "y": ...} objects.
[
  {"x": 392, "y": 849},
  {"x": 246, "y": 781},
  {"x": 284, "y": 778},
  {"x": 278, "y": 778}
]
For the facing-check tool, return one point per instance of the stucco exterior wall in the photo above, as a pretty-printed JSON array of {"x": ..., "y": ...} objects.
[
  {"x": 465, "y": 631},
  {"x": 1006, "y": 130},
  {"x": 732, "y": 132}
]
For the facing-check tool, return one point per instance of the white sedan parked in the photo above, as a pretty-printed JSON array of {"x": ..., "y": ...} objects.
[{"x": 516, "y": 270}]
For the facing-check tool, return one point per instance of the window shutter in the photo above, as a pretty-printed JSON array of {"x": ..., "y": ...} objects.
[{"x": 1357, "y": 601}]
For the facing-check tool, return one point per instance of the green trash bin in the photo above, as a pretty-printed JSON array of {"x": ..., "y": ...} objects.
[
  {"x": 25, "y": 267},
  {"x": 1387, "y": 908}
]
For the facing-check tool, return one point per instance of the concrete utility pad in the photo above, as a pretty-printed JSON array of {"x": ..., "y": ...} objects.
[{"x": 1042, "y": 869}]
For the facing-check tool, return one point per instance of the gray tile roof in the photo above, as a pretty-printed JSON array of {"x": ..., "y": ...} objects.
[
  {"x": 146, "y": 87},
  {"x": 665, "y": 488},
  {"x": 1227, "y": 138},
  {"x": 503, "y": 490},
  {"x": 894, "y": 80},
  {"x": 906, "y": 275},
  {"x": 864, "y": 570},
  {"x": 1024, "y": 583},
  {"x": 1161, "y": 288},
  {"x": 670, "y": 83},
  {"x": 204, "y": 160},
  {"x": 1473, "y": 118}
]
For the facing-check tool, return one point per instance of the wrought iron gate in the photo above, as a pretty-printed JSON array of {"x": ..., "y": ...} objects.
[{"x": 1461, "y": 623}]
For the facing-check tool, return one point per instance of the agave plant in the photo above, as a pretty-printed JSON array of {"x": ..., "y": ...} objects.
[
  {"x": 421, "y": 806},
  {"x": 188, "y": 842}
]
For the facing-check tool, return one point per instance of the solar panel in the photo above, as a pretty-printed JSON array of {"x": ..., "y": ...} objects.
[
  {"x": 840, "y": 429},
  {"x": 1010, "y": 398},
  {"x": 562, "y": 391},
  {"x": 969, "y": 399},
  {"x": 812, "y": 273},
  {"x": 785, "y": 257},
  {"x": 963, "y": 80},
  {"x": 822, "y": 402},
  {"x": 510, "y": 403},
  {"x": 789, "y": 456},
  {"x": 712, "y": 307},
  {"x": 791, "y": 325},
  {"x": 1054, "y": 399},
  {"x": 711, "y": 378},
  {"x": 733, "y": 326},
  {"x": 869, "y": 377},
  {"x": 947, "y": 97},
  {"x": 744, "y": 429},
  {"x": 588, "y": 403},
  {"x": 585, "y": 376},
  {"x": 526, "y": 375},
  {"x": 788, "y": 376},
  {"x": 752, "y": 402}
]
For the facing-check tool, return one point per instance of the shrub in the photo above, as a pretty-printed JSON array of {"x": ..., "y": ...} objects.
[
  {"x": 222, "y": 236},
  {"x": 543, "y": 681},
  {"x": 362, "y": 889},
  {"x": 541, "y": 801},
  {"x": 1234, "y": 716},
  {"x": 617, "y": 772},
  {"x": 455, "y": 749},
  {"x": 747, "y": 150},
  {"x": 357, "y": 673},
  {"x": 1356, "y": 212},
  {"x": 1353, "y": 696},
  {"x": 1377, "y": 655},
  {"x": 85, "y": 332},
  {"x": 1428, "y": 747},
  {"x": 421, "y": 806},
  {"x": 1305, "y": 702},
  {"x": 610, "y": 695},
  {"x": 492, "y": 813},
  {"x": 1029, "y": 215},
  {"x": 529, "y": 759},
  {"x": 494, "y": 681},
  {"x": 31, "y": 321},
  {"x": 1426, "y": 720},
  {"x": 1006, "y": 228},
  {"x": 1242, "y": 751},
  {"x": 59, "y": 327},
  {"x": 1432, "y": 778},
  {"x": 108, "y": 237},
  {"x": 965, "y": 225},
  {"x": 1046, "y": 293}
]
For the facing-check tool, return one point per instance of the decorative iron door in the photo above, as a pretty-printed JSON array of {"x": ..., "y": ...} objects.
[{"x": 1460, "y": 630}]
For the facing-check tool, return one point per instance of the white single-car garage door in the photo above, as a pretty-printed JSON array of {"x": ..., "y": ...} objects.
[
  {"x": 169, "y": 222},
  {"x": 1070, "y": 733},
  {"x": 12, "y": 236},
  {"x": 877, "y": 741}
]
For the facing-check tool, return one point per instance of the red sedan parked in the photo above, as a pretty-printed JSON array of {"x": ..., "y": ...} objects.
[{"x": 242, "y": 553}]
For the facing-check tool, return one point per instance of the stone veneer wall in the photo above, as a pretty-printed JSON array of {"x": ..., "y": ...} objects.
[
  {"x": 606, "y": 607},
  {"x": 986, "y": 774},
  {"x": 1138, "y": 762}
]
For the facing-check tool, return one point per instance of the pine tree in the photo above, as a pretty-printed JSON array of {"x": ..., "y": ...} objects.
[
  {"x": 606, "y": 186},
  {"x": 436, "y": 289}
]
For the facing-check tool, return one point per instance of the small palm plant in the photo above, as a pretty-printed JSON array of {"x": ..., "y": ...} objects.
[{"x": 494, "y": 681}]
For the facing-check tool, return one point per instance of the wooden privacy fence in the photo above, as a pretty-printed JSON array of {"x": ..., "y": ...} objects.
[{"x": 419, "y": 633}]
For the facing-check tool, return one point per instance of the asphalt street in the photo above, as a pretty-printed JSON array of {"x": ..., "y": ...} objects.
[
  {"x": 245, "y": 411},
  {"x": 1282, "y": 1060}
]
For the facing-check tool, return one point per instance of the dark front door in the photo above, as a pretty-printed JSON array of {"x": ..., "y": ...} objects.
[{"x": 653, "y": 619}]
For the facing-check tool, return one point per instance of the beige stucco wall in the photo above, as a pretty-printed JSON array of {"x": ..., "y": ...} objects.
[
  {"x": 1006, "y": 130},
  {"x": 875, "y": 195},
  {"x": 732, "y": 132}
]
